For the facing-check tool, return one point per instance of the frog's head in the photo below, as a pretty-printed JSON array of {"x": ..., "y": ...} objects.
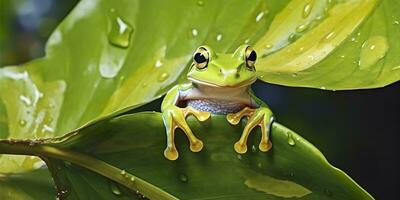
[{"x": 223, "y": 70}]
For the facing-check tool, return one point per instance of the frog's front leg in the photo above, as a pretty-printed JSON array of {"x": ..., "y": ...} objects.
[
  {"x": 262, "y": 117},
  {"x": 175, "y": 117}
]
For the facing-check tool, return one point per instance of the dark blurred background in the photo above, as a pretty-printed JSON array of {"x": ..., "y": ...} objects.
[{"x": 358, "y": 131}]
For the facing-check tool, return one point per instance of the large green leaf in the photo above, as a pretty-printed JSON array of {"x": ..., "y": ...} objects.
[
  {"x": 333, "y": 45},
  {"x": 107, "y": 56},
  {"x": 98, "y": 162}
]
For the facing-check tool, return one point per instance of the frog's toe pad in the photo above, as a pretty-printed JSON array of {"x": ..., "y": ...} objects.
[
  {"x": 171, "y": 153},
  {"x": 196, "y": 146},
  {"x": 265, "y": 146},
  {"x": 240, "y": 147}
]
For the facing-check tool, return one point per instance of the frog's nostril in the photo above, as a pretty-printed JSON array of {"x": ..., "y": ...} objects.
[
  {"x": 220, "y": 71},
  {"x": 237, "y": 75}
]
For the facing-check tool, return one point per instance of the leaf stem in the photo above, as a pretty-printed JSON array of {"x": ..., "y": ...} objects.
[{"x": 120, "y": 176}]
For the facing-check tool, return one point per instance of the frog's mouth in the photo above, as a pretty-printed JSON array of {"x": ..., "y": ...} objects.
[{"x": 236, "y": 85}]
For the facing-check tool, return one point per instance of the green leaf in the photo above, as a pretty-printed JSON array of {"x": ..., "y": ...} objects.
[
  {"x": 99, "y": 161},
  {"x": 27, "y": 186},
  {"x": 336, "y": 45},
  {"x": 108, "y": 56}
]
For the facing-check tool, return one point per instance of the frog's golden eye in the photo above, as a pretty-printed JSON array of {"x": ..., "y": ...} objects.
[
  {"x": 251, "y": 57},
  {"x": 200, "y": 58}
]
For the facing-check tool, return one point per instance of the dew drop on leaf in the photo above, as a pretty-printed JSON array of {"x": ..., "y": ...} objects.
[
  {"x": 183, "y": 178},
  {"x": 301, "y": 28},
  {"x": 219, "y": 37},
  {"x": 120, "y": 33},
  {"x": 329, "y": 36},
  {"x": 162, "y": 77},
  {"x": 253, "y": 148},
  {"x": 396, "y": 68},
  {"x": 123, "y": 172},
  {"x": 22, "y": 122},
  {"x": 192, "y": 33},
  {"x": 372, "y": 51},
  {"x": 307, "y": 9},
  {"x": 260, "y": 16},
  {"x": 293, "y": 37},
  {"x": 200, "y": 3},
  {"x": 26, "y": 100},
  {"x": 114, "y": 189},
  {"x": 158, "y": 63},
  {"x": 290, "y": 139}
]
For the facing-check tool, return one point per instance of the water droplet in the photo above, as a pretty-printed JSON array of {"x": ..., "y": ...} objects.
[
  {"x": 239, "y": 156},
  {"x": 120, "y": 33},
  {"x": 322, "y": 88},
  {"x": 294, "y": 75},
  {"x": 293, "y": 37},
  {"x": 158, "y": 63},
  {"x": 290, "y": 139},
  {"x": 200, "y": 3},
  {"x": 132, "y": 179},
  {"x": 342, "y": 56},
  {"x": 260, "y": 16},
  {"x": 62, "y": 194},
  {"x": 194, "y": 32},
  {"x": 307, "y": 9},
  {"x": 123, "y": 172},
  {"x": 22, "y": 122},
  {"x": 219, "y": 37},
  {"x": 26, "y": 100},
  {"x": 372, "y": 51},
  {"x": 247, "y": 41},
  {"x": 47, "y": 129},
  {"x": 183, "y": 178},
  {"x": 396, "y": 68},
  {"x": 301, "y": 28},
  {"x": 164, "y": 76},
  {"x": 396, "y": 22},
  {"x": 330, "y": 36},
  {"x": 269, "y": 46},
  {"x": 139, "y": 195},
  {"x": 253, "y": 148},
  {"x": 114, "y": 189}
]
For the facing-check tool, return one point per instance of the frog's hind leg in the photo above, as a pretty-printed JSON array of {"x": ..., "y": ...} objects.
[
  {"x": 173, "y": 120},
  {"x": 256, "y": 117}
]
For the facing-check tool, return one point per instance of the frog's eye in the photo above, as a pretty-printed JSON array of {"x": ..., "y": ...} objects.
[
  {"x": 251, "y": 57},
  {"x": 200, "y": 58}
]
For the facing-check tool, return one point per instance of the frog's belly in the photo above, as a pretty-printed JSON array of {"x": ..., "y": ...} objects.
[{"x": 216, "y": 106}]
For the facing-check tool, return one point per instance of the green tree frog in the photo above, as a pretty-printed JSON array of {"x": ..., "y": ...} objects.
[{"x": 220, "y": 84}]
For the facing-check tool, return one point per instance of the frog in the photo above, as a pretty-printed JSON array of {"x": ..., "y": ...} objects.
[{"x": 219, "y": 84}]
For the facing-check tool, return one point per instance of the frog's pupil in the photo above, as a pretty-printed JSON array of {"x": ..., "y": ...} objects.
[
  {"x": 199, "y": 58},
  {"x": 252, "y": 56}
]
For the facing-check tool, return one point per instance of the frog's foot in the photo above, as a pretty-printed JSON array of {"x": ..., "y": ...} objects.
[
  {"x": 175, "y": 117},
  {"x": 255, "y": 117}
]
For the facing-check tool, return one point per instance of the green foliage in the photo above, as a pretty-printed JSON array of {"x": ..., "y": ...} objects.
[
  {"x": 350, "y": 45},
  {"x": 107, "y": 57},
  {"x": 101, "y": 160}
]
